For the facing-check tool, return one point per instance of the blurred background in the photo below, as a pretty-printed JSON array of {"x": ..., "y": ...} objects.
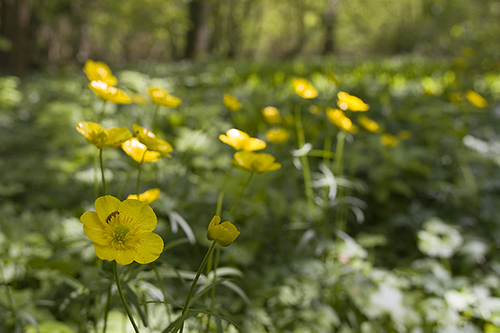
[{"x": 399, "y": 234}]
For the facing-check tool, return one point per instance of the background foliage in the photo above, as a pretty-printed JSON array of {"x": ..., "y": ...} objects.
[{"x": 418, "y": 251}]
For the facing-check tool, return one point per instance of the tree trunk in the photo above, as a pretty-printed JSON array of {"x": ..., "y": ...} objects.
[
  {"x": 198, "y": 35},
  {"x": 15, "y": 26},
  {"x": 329, "y": 20}
]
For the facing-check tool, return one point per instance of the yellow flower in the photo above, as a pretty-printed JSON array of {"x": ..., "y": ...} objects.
[
  {"x": 151, "y": 141},
  {"x": 314, "y": 109},
  {"x": 96, "y": 134},
  {"x": 369, "y": 124},
  {"x": 404, "y": 135},
  {"x": 161, "y": 97},
  {"x": 350, "y": 102},
  {"x": 255, "y": 162},
  {"x": 277, "y": 135},
  {"x": 99, "y": 71},
  {"x": 475, "y": 99},
  {"x": 231, "y": 102},
  {"x": 139, "y": 152},
  {"x": 240, "y": 140},
  {"x": 272, "y": 115},
  {"x": 389, "y": 140},
  {"x": 123, "y": 231},
  {"x": 337, "y": 117},
  {"x": 304, "y": 88},
  {"x": 148, "y": 197},
  {"x": 224, "y": 233},
  {"x": 109, "y": 93}
]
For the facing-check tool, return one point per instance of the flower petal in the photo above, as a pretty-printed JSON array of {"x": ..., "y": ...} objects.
[
  {"x": 149, "y": 248},
  {"x": 142, "y": 215},
  {"x": 94, "y": 229},
  {"x": 106, "y": 205}
]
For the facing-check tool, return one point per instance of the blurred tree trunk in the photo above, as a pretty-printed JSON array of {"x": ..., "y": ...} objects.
[
  {"x": 301, "y": 30},
  {"x": 15, "y": 18},
  {"x": 198, "y": 35},
  {"x": 329, "y": 22}
]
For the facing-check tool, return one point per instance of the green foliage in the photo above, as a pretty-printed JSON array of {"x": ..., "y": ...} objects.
[{"x": 417, "y": 252}]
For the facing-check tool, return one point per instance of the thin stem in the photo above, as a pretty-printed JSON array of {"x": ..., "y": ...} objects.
[
  {"x": 221, "y": 193},
  {"x": 106, "y": 310},
  {"x": 305, "y": 163},
  {"x": 240, "y": 194},
  {"x": 104, "y": 189},
  {"x": 180, "y": 325},
  {"x": 212, "y": 292},
  {"x": 122, "y": 297},
  {"x": 338, "y": 171},
  {"x": 96, "y": 180},
  {"x": 101, "y": 114},
  {"x": 160, "y": 283},
  {"x": 139, "y": 170}
]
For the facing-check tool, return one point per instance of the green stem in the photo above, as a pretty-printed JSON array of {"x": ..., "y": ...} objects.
[
  {"x": 240, "y": 194},
  {"x": 338, "y": 166},
  {"x": 101, "y": 114},
  {"x": 221, "y": 193},
  {"x": 160, "y": 283},
  {"x": 122, "y": 297},
  {"x": 106, "y": 310},
  {"x": 180, "y": 325},
  {"x": 139, "y": 171},
  {"x": 96, "y": 179},
  {"x": 104, "y": 189},
  {"x": 305, "y": 163},
  {"x": 212, "y": 292},
  {"x": 10, "y": 299}
]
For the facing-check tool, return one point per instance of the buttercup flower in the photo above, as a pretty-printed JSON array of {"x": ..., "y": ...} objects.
[
  {"x": 255, "y": 162},
  {"x": 96, "y": 134},
  {"x": 161, "y": 97},
  {"x": 99, "y": 71},
  {"x": 369, "y": 124},
  {"x": 350, "y": 102},
  {"x": 240, "y": 140},
  {"x": 148, "y": 138},
  {"x": 232, "y": 102},
  {"x": 337, "y": 117},
  {"x": 123, "y": 231},
  {"x": 389, "y": 140},
  {"x": 272, "y": 115},
  {"x": 475, "y": 99},
  {"x": 109, "y": 93},
  {"x": 224, "y": 233},
  {"x": 277, "y": 135},
  {"x": 148, "y": 197},
  {"x": 304, "y": 88},
  {"x": 139, "y": 152}
]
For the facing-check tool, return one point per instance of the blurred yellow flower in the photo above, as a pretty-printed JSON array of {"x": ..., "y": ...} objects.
[
  {"x": 314, "y": 109},
  {"x": 109, "y": 93},
  {"x": 96, "y": 134},
  {"x": 338, "y": 118},
  {"x": 304, "y": 88},
  {"x": 99, "y": 71},
  {"x": 224, "y": 233},
  {"x": 161, "y": 97},
  {"x": 389, "y": 140},
  {"x": 232, "y": 102},
  {"x": 123, "y": 231},
  {"x": 255, "y": 162},
  {"x": 369, "y": 124},
  {"x": 455, "y": 98},
  {"x": 277, "y": 135},
  {"x": 139, "y": 152},
  {"x": 404, "y": 135},
  {"x": 148, "y": 197},
  {"x": 148, "y": 138},
  {"x": 475, "y": 99},
  {"x": 139, "y": 99},
  {"x": 240, "y": 140},
  {"x": 272, "y": 115},
  {"x": 350, "y": 102}
]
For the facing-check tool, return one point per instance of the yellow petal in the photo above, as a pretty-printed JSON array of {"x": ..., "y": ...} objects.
[
  {"x": 149, "y": 248},
  {"x": 105, "y": 252},
  {"x": 389, "y": 140},
  {"x": 148, "y": 197},
  {"x": 475, "y": 99},
  {"x": 369, "y": 124},
  {"x": 304, "y": 88},
  {"x": 148, "y": 138},
  {"x": 116, "y": 136},
  {"x": 94, "y": 228},
  {"x": 350, "y": 102},
  {"x": 255, "y": 162},
  {"x": 144, "y": 218},
  {"x": 109, "y": 93},
  {"x": 161, "y": 97},
  {"x": 223, "y": 233},
  {"x": 254, "y": 144},
  {"x": 106, "y": 205},
  {"x": 231, "y": 102},
  {"x": 277, "y": 135},
  {"x": 92, "y": 132},
  {"x": 139, "y": 152},
  {"x": 272, "y": 115},
  {"x": 99, "y": 71}
]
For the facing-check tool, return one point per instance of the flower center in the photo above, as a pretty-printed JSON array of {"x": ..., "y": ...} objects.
[{"x": 121, "y": 231}]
